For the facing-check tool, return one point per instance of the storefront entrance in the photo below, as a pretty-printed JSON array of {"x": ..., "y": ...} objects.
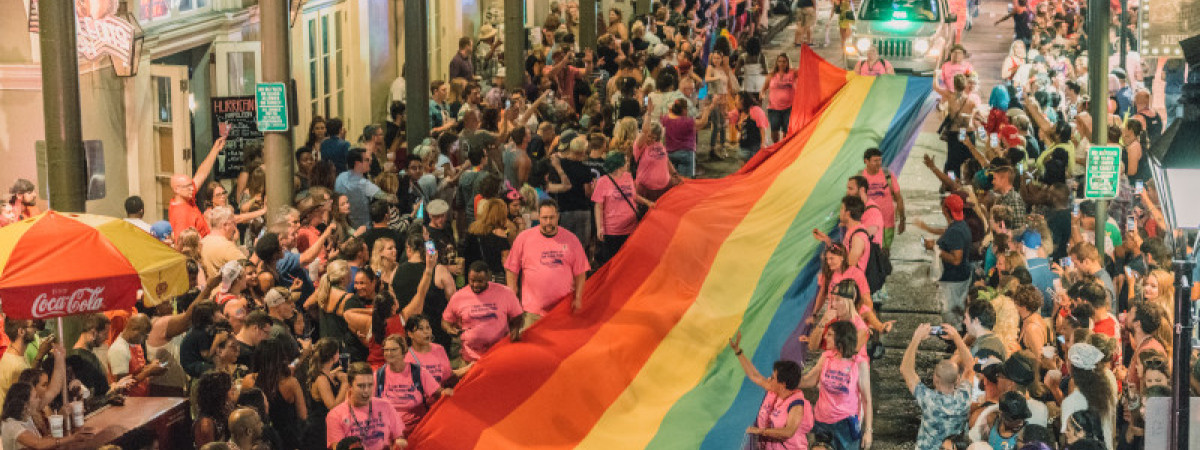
[{"x": 172, "y": 143}]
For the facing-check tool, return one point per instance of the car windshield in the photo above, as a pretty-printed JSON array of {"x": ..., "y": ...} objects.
[{"x": 913, "y": 10}]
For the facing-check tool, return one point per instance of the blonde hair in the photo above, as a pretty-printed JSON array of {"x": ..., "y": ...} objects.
[
  {"x": 388, "y": 182},
  {"x": 624, "y": 134},
  {"x": 335, "y": 274},
  {"x": 1008, "y": 322},
  {"x": 1166, "y": 292},
  {"x": 493, "y": 215},
  {"x": 188, "y": 243},
  {"x": 218, "y": 215},
  {"x": 377, "y": 261},
  {"x": 458, "y": 87}
]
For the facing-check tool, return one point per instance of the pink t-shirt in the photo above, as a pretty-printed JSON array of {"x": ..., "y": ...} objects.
[
  {"x": 400, "y": 391},
  {"x": 852, "y": 235},
  {"x": 654, "y": 170},
  {"x": 760, "y": 118},
  {"x": 950, "y": 69},
  {"x": 679, "y": 134},
  {"x": 782, "y": 91},
  {"x": 881, "y": 189},
  {"x": 838, "y": 393},
  {"x": 483, "y": 317},
  {"x": 376, "y": 425},
  {"x": 619, "y": 217},
  {"x": 774, "y": 414},
  {"x": 879, "y": 67},
  {"x": 435, "y": 361},
  {"x": 873, "y": 218},
  {"x": 547, "y": 265}
]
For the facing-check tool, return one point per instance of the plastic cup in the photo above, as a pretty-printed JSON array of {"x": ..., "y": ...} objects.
[
  {"x": 1048, "y": 351},
  {"x": 56, "y": 426},
  {"x": 77, "y": 414}
]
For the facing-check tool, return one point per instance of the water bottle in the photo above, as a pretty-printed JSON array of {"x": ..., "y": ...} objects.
[{"x": 962, "y": 135}]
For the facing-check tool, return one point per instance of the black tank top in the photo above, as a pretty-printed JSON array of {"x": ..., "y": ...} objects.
[{"x": 404, "y": 284}]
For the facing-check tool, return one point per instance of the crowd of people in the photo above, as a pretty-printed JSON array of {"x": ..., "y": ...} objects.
[
  {"x": 1052, "y": 342},
  {"x": 338, "y": 321}
]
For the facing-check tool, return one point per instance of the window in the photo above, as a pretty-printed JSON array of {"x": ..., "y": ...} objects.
[
  {"x": 323, "y": 55},
  {"x": 153, "y": 10}
]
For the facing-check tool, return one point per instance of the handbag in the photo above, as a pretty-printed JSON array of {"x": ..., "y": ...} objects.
[{"x": 636, "y": 211}]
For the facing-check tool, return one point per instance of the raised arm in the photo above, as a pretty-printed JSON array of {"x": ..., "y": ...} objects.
[
  {"x": 908, "y": 364},
  {"x": 751, "y": 372},
  {"x": 206, "y": 166},
  {"x": 417, "y": 303}
]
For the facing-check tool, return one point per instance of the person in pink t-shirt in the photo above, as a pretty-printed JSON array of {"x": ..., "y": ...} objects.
[
  {"x": 616, "y": 198},
  {"x": 483, "y": 315},
  {"x": 872, "y": 218},
  {"x": 655, "y": 171},
  {"x": 843, "y": 379},
  {"x": 884, "y": 191},
  {"x": 957, "y": 64},
  {"x": 430, "y": 355},
  {"x": 551, "y": 264},
  {"x": 372, "y": 420},
  {"x": 785, "y": 417},
  {"x": 405, "y": 385},
  {"x": 781, "y": 89},
  {"x": 858, "y": 245}
]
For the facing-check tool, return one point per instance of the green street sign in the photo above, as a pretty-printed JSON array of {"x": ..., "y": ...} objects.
[
  {"x": 270, "y": 100},
  {"x": 1103, "y": 175}
]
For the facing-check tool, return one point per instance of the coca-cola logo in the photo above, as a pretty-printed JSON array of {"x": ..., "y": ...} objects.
[{"x": 63, "y": 302}]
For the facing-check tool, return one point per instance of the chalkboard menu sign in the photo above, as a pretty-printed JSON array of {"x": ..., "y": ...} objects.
[{"x": 235, "y": 118}]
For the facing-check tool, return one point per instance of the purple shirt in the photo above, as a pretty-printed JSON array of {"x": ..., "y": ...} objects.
[{"x": 679, "y": 134}]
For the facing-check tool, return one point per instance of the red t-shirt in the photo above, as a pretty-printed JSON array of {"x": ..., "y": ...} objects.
[
  {"x": 184, "y": 214},
  {"x": 394, "y": 325}
]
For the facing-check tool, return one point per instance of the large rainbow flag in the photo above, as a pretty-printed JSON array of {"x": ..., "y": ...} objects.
[{"x": 646, "y": 363}]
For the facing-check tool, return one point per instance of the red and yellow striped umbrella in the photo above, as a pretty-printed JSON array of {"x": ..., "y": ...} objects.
[{"x": 61, "y": 264}]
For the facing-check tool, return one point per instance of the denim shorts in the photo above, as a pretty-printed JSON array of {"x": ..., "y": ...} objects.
[{"x": 846, "y": 433}]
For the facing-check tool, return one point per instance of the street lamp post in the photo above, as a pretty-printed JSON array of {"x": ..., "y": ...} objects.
[
  {"x": 65, "y": 159},
  {"x": 1097, "y": 33}
]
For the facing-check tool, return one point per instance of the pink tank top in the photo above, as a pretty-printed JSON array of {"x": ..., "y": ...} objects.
[
  {"x": 838, "y": 389},
  {"x": 774, "y": 414}
]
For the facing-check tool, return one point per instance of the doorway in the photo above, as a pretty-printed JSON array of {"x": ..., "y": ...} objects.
[{"x": 172, "y": 130}]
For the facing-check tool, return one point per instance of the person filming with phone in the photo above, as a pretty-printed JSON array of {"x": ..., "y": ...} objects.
[
  {"x": 944, "y": 408},
  {"x": 126, "y": 356}
]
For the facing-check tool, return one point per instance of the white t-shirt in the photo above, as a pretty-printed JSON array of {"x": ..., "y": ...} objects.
[
  {"x": 119, "y": 355},
  {"x": 11, "y": 428}
]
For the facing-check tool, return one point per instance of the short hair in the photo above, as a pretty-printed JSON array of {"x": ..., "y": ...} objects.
[
  {"x": 1036, "y": 433},
  {"x": 788, "y": 373},
  {"x": 134, "y": 205},
  {"x": 480, "y": 266},
  {"x": 93, "y": 322},
  {"x": 984, "y": 312},
  {"x": 435, "y": 85},
  {"x": 1150, "y": 314},
  {"x": 303, "y": 151},
  {"x": 379, "y": 211},
  {"x": 333, "y": 126},
  {"x": 871, "y": 153},
  {"x": 1028, "y": 297},
  {"x": 476, "y": 154},
  {"x": 464, "y": 42},
  {"x": 860, "y": 181},
  {"x": 267, "y": 247},
  {"x": 12, "y": 328},
  {"x": 357, "y": 369},
  {"x": 350, "y": 248},
  {"x": 1086, "y": 250},
  {"x": 1094, "y": 294},
  {"x": 396, "y": 108},
  {"x": 518, "y": 134},
  {"x": 548, "y": 203},
  {"x": 854, "y": 207},
  {"x": 258, "y": 318},
  {"x": 219, "y": 215},
  {"x": 356, "y": 156}
]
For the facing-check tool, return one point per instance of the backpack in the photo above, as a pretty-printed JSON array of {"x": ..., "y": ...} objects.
[
  {"x": 415, "y": 369},
  {"x": 879, "y": 266}
]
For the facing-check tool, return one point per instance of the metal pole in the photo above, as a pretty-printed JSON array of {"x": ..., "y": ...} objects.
[
  {"x": 1181, "y": 397},
  {"x": 587, "y": 24},
  {"x": 416, "y": 70},
  {"x": 1121, "y": 33},
  {"x": 65, "y": 159},
  {"x": 277, "y": 146},
  {"x": 514, "y": 43},
  {"x": 1098, "y": 18}
]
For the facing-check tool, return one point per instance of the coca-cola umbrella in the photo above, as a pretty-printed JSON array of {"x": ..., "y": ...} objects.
[{"x": 60, "y": 264}]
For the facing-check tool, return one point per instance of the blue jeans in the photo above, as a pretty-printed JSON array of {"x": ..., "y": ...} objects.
[
  {"x": 717, "y": 138},
  {"x": 846, "y": 433},
  {"x": 684, "y": 161}
]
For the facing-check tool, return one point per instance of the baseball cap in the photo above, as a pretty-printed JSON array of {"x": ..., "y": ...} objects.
[
  {"x": 437, "y": 207},
  {"x": 230, "y": 272},
  {"x": 1031, "y": 239},
  {"x": 275, "y": 297},
  {"x": 1010, "y": 136},
  {"x": 954, "y": 204},
  {"x": 161, "y": 229}
]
